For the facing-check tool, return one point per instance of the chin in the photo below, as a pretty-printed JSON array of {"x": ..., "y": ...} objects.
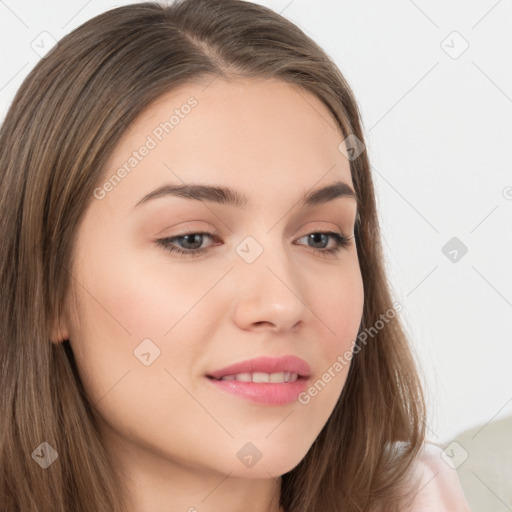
[{"x": 269, "y": 465}]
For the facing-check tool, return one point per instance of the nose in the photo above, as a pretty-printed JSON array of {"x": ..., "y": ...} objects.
[{"x": 268, "y": 294}]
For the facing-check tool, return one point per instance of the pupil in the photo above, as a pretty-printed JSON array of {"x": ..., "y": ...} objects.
[
  {"x": 315, "y": 238},
  {"x": 197, "y": 238}
]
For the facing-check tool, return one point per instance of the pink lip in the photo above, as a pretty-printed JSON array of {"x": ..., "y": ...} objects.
[
  {"x": 265, "y": 392},
  {"x": 290, "y": 364}
]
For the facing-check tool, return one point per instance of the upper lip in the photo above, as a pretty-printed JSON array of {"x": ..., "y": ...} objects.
[{"x": 292, "y": 364}]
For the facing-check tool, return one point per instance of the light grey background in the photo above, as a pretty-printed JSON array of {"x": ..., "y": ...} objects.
[{"x": 439, "y": 129}]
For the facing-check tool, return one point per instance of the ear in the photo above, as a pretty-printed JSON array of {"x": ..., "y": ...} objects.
[{"x": 59, "y": 330}]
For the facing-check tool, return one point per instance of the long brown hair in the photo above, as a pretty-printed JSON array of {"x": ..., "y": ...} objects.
[{"x": 63, "y": 124}]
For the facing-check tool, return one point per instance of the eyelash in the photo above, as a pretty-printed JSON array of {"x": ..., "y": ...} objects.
[{"x": 340, "y": 239}]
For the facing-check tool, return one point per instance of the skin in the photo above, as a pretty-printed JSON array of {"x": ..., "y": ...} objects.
[{"x": 173, "y": 434}]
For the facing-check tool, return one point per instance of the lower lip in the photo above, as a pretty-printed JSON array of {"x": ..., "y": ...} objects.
[{"x": 263, "y": 393}]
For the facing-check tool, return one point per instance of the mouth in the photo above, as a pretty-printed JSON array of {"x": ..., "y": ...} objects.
[
  {"x": 262, "y": 377},
  {"x": 264, "y": 380},
  {"x": 265, "y": 370}
]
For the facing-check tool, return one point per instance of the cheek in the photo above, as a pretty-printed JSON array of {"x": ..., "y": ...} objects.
[
  {"x": 337, "y": 301},
  {"x": 123, "y": 306},
  {"x": 146, "y": 300},
  {"x": 123, "y": 302}
]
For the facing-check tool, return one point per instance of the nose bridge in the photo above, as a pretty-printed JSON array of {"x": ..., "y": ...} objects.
[
  {"x": 261, "y": 252},
  {"x": 269, "y": 288}
]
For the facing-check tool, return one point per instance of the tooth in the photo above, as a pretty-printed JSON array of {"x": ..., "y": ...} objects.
[
  {"x": 260, "y": 377},
  {"x": 276, "y": 377}
]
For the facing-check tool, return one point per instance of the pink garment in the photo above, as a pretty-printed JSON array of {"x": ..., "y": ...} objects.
[{"x": 439, "y": 489}]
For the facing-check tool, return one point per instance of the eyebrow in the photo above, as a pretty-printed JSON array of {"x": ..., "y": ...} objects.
[{"x": 228, "y": 196}]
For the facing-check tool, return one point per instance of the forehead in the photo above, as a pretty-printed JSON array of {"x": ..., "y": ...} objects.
[{"x": 254, "y": 135}]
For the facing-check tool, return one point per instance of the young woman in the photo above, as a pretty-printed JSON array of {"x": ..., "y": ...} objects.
[{"x": 195, "y": 314}]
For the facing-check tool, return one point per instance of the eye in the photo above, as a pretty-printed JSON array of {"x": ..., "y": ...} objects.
[
  {"x": 190, "y": 244},
  {"x": 322, "y": 238}
]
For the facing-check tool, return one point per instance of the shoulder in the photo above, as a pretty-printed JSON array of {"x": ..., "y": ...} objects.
[{"x": 439, "y": 488}]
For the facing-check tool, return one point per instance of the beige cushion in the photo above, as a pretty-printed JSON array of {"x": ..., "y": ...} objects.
[{"x": 486, "y": 473}]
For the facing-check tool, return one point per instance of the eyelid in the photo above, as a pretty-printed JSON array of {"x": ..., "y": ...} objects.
[
  {"x": 320, "y": 226},
  {"x": 186, "y": 229}
]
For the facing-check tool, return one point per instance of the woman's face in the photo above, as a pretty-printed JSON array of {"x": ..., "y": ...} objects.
[{"x": 150, "y": 325}]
